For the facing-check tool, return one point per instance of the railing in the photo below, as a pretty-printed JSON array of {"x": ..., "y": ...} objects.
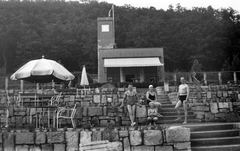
[{"x": 205, "y": 78}]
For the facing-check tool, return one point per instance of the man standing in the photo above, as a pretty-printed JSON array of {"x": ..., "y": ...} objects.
[{"x": 182, "y": 98}]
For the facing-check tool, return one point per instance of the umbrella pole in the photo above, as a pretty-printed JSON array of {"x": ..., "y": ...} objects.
[{"x": 84, "y": 90}]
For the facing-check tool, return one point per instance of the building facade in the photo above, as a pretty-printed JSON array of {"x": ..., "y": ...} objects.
[{"x": 128, "y": 64}]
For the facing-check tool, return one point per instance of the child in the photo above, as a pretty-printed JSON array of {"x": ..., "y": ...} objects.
[{"x": 152, "y": 114}]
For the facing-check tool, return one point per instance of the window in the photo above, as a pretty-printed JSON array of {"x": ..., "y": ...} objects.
[
  {"x": 129, "y": 78},
  {"x": 105, "y": 28}
]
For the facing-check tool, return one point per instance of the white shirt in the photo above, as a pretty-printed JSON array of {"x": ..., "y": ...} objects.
[{"x": 183, "y": 89}]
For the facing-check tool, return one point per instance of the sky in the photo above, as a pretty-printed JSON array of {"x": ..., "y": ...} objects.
[{"x": 163, "y": 4}]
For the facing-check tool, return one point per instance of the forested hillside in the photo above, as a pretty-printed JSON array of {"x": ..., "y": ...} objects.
[{"x": 67, "y": 32}]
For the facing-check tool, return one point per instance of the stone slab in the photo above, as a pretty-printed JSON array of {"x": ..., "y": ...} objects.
[
  {"x": 96, "y": 135},
  {"x": 214, "y": 108},
  {"x": 163, "y": 148},
  {"x": 95, "y": 111},
  {"x": 135, "y": 138},
  {"x": 55, "y": 137},
  {"x": 24, "y": 138},
  {"x": 47, "y": 147},
  {"x": 72, "y": 139},
  {"x": 143, "y": 148},
  {"x": 40, "y": 138},
  {"x": 177, "y": 134},
  {"x": 223, "y": 105},
  {"x": 8, "y": 141},
  {"x": 60, "y": 147},
  {"x": 126, "y": 144},
  {"x": 184, "y": 145},
  {"x": 85, "y": 137},
  {"x": 153, "y": 137}
]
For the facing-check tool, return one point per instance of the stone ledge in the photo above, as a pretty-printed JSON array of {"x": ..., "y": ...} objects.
[{"x": 177, "y": 134}]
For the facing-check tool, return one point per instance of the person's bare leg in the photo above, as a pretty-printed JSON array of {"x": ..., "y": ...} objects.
[
  {"x": 134, "y": 113},
  {"x": 122, "y": 104},
  {"x": 179, "y": 103},
  {"x": 185, "y": 112},
  {"x": 130, "y": 113},
  {"x": 159, "y": 109}
]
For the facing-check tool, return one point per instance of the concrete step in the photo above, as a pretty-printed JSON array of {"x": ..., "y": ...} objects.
[
  {"x": 168, "y": 105},
  {"x": 165, "y": 102},
  {"x": 177, "y": 122},
  {"x": 175, "y": 117},
  {"x": 215, "y": 141},
  {"x": 163, "y": 99},
  {"x": 215, "y": 133},
  {"x": 163, "y": 95},
  {"x": 175, "y": 114},
  {"x": 235, "y": 147},
  {"x": 211, "y": 127},
  {"x": 173, "y": 109}
]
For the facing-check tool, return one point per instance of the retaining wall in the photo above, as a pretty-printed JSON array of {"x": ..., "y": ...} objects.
[{"x": 121, "y": 139}]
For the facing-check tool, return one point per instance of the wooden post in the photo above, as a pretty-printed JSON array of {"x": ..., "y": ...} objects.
[
  {"x": 166, "y": 86},
  {"x": 220, "y": 78},
  {"x": 235, "y": 77},
  {"x": 37, "y": 85},
  {"x": 175, "y": 78},
  {"x": 190, "y": 78},
  {"x": 205, "y": 78},
  {"x": 121, "y": 75},
  {"x": 6, "y": 83},
  {"x": 53, "y": 84},
  {"x": 21, "y": 85}
]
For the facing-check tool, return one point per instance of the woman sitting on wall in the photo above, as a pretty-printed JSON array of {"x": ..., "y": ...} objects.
[
  {"x": 151, "y": 97},
  {"x": 130, "y": 96}
]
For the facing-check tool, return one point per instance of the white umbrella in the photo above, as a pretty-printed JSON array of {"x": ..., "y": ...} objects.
[
  {"x": 42, "y": 71},
  {"x": 84, "y": 78}
]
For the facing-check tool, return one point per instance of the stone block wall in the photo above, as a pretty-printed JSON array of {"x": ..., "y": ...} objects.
[
  {"x": 213, "y": 103},
  {"x": 121, "y": 139},
  {"x": 97, "y": 109}
]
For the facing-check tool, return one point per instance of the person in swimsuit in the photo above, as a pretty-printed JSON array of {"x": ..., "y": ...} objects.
[
  {"x": 131, "y": 98},
  {"x": 182, "y": 98},
  {"x": 151, "y": 97}
]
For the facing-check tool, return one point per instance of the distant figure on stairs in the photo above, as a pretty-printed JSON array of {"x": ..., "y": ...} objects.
[
  {"x": 151, "y": 97},
  {"x": 152, "y": 114},
  {"x": 182, "y": 98}
]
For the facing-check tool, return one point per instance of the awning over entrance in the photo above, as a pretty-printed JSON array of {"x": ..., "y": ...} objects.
[{"x": 132, "y": 62}]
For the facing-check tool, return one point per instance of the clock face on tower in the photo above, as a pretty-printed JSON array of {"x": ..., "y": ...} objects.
[{"x": 105, "y": 28}]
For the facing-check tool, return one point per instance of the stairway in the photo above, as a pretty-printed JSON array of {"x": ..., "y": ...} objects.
[
  {"x": 215, "y": 137},
  {"x": 204, "y": 136},
  {"x": 169, "y": 113}
]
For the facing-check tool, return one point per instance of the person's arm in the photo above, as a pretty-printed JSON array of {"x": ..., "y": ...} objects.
[
  {"x": 137, "y": 96},
  {"x": 187, "y": 93},
  {"x": 156, "y": 111},
  {"x": 149, "y": 112},
  {"x": 155, "y": 96},
  {"x": 124, "y": 97},
  {"x": 178, "y": 95}
]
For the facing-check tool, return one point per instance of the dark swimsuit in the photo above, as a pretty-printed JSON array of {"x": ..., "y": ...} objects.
[
  {"x": 182, "y": 98},
  {"x": 151, "y": 97}
]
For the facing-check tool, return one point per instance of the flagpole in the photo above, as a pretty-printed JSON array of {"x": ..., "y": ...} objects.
[{"x": 113, "y": 22}]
